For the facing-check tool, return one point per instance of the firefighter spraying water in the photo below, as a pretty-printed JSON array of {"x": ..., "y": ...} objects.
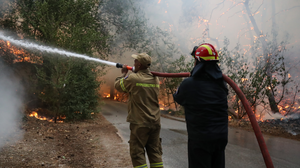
[
  {"x": 42, "y": 48},
  {"x": 143, "y": 112}
]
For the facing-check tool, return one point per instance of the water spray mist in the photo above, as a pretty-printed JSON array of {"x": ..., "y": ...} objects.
[{"x": 34, "y": 46}]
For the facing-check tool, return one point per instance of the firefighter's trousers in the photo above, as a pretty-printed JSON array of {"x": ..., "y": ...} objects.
[
  {"x": 145, "y": 137},
  {"x": 206, "y": 154}
]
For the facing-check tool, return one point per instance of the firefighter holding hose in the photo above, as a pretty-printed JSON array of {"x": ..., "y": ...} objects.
[
  {"x": 143, "y": 112},
  {"x": 204, "y": 98}
]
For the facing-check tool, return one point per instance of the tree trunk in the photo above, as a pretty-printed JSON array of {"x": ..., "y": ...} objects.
[
  {"x": 267, "y": 56},
  {"x": 112, "y": 92}
]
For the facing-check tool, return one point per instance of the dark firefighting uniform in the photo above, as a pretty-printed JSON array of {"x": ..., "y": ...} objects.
[
  {"x": 204, "y": 98},
  {"x": 144, "y": 117}
]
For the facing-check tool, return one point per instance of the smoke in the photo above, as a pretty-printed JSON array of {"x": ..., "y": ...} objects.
[
  {"x": 10, "y": 106},
  {"x": 196, "y": 21},
  {"x": 193, "y": 22}
]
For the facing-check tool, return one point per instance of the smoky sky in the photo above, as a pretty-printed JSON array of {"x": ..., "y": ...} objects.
[
  {"x": 190, "y": 19},
  {"x": 194, "y": 22},
  {"x": 10, "y": 105}
]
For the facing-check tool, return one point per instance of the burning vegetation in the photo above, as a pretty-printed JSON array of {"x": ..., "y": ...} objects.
[
  {"x": 40, "y": 115},
  {"x": 12, "y": 54},
  {"x": 36, "y": 76}
]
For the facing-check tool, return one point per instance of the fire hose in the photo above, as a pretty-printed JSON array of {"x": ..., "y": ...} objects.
[{"x": 252, "y": 118}]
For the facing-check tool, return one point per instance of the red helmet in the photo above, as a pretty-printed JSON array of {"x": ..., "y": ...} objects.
[{"x": 206, "y": 52}]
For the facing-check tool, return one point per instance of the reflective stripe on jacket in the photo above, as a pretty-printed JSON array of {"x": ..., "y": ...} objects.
[{"x": 143, "y": 90}]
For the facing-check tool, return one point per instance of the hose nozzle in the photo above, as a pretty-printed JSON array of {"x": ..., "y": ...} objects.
[{"x": 118, "y": 65}]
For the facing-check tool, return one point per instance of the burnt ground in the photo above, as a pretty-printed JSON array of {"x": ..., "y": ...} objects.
[
  {"x": 91, "y": 143},
  {"x": 289, "y": 129}
]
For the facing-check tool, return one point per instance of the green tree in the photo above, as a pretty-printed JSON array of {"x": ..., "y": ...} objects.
[
  {"x": 81, "y": 93},
  {"x": 74, "y": 26},
  {"x": 126, "y": 23}
]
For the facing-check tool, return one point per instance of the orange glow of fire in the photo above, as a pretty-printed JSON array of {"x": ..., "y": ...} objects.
[
  {"x": 285, "y": 108},
  {"x": 36, "y": 115},
  {"x": 244, "y": 79},
  {"x": 163, "y": 106},
  {"x": 19, "y": 54},
  {"x": 259, "y": 117},
  {"x": 106, "y": 95}
]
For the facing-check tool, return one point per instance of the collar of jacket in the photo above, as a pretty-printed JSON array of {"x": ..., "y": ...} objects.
[
  {"x": 147, "y": 71},
  {"x": 211, "y": 68}
]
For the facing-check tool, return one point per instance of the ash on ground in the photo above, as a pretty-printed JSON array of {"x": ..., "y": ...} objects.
[{"x": 287, "y": 127}]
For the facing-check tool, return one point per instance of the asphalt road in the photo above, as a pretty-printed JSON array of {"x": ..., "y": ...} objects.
[{"x": 242, "y": 150}]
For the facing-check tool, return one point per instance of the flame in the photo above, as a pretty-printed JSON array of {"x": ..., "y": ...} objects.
[
  {"x": 244, "y": 79},
  {"x": 163, "y": 106},
  {"x": 33, "y": 114},
  {"x": 20, "y": 55},
  {"x": 36, "y": 115},
  {"x": 106, "y": 95}
]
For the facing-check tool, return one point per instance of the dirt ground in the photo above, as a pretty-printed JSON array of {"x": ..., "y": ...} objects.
[{"x": 91, "y": 143}]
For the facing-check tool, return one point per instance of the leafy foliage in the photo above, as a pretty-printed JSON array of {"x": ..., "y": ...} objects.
[
  {"x": 170, "y": 85},
  {"x": 81, "y": 93},
  {"x": 126, "y": 22},
  {"x": 67, "y": 87}
]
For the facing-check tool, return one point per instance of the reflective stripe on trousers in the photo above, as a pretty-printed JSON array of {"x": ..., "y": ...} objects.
[
  {"x": 160, "y": 164},
  {"x": 141, "y": 166}
]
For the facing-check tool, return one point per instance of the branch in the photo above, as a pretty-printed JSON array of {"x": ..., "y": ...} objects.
[
  {"x": 231, "y": 8},
  {"x": 259, "y": 6},
  {"x": 282, "y": 11},
  {"x": 232, "y": 114},
  {"x": 233, "y": 14},
  {"x": 215, "y": 8},
  {"x": 293, "y": 103}
]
